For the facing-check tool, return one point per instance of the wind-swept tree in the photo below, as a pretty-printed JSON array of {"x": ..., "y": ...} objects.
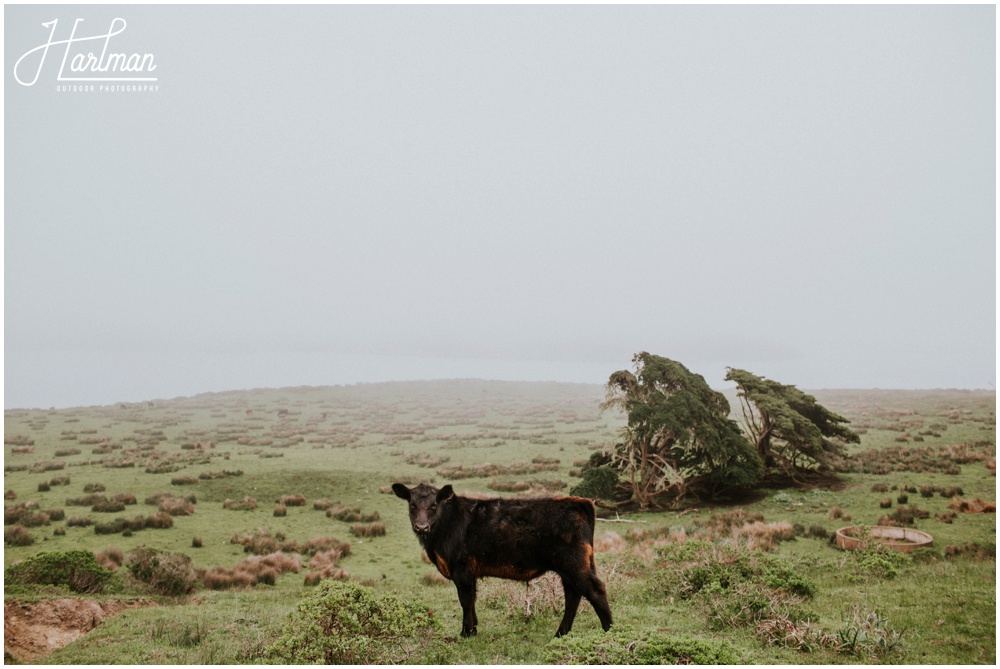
[
  {"x": 679, "y": 438},
  {"x": 790, "y": 430}
]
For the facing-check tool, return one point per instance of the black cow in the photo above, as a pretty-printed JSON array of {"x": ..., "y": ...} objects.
[{"x": 468, "y": 539}]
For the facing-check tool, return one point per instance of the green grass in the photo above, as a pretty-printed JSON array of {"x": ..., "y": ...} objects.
[{"x": 944, "y": 606}]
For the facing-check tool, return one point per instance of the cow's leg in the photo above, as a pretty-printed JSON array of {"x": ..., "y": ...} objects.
[
  {"x": 572, "y": 602},
  {"x": 467, "y": 598},
  {"x": 597, "y": 595}
]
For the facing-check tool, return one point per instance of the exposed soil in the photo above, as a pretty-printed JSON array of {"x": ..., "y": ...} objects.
[{"x": 33, "y": 629}]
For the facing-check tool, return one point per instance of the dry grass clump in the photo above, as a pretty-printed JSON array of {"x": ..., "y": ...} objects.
[
  {"x": 292, "y": 500},
  {"x": 324, "y": 504},
  {"x": 946, "y": 516},
  {"x": 972, "y": 506},
  {"x": 974, "y": 550},
  {"x": 183, "y": 480},
  {"x": 886, "y": 503},
  {"x": 86, "y": 500},
  {"x": 280, "y": 511},
  {"x": 368, "y": 529},
  {"x": 522, "y": 601},
  {"x": 10, "y": 494},
  {"x": 324, "y": 565},
  {"x": 836, "y": 513},
  {"x": 176, "y": 506},
  {"x": 426, "y": 460},
  {"x": 764, "y": 536},
  {"x": 251, "y": 571},
  {"x": 78, "y": 521},
  {"x": 351, "y": 514},
  {"x": 903, "y": 515},
  {"x": 244, "y": 504},
  {"x": 110, "y": 558},
  {"x": 108, "y": 506},
  {"x": 533, "y": 486},
  {"x": 262, "y": 543},
  {"x": 17, "y": 535},
  {"x": 160, "y": 521},
  {"x": 610, "y": 542},
  {"x": 433, "y": 578}
]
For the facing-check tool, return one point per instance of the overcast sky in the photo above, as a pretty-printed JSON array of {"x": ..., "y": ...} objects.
[{"x": 324, "y": 195}]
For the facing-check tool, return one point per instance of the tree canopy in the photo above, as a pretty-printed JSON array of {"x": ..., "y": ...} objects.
[
  {"x": 790, "y": 430},
  {"x": 678, "y": 437}
]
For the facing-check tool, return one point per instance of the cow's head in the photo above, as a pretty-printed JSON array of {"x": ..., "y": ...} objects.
[{"x": 426, "y": 504}]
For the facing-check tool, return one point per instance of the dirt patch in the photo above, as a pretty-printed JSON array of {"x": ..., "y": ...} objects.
[{"x": 33, "y": 629}]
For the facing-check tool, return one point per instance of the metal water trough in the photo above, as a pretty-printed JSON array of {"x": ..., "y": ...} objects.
[{"x": 902, "y": 539}]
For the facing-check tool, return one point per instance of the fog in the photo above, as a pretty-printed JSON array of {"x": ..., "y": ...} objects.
[{"x": 323, "y": 195}]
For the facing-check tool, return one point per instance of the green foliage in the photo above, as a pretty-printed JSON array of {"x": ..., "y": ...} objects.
[
  {"x": 735, "y": 586},
  {"x": 874, "y": 561},
  {"x": 342, "y": 622},
  {"x": 788, "y": 427},
  {"x": 76, "y": 570},
  {"x": 678, "y": 431},
  {"x": 870, "y": 638},
  {"x": 169, "y": 574},
  {"x": 625, "y": 645},
  {"x": 597, "y": 483}
]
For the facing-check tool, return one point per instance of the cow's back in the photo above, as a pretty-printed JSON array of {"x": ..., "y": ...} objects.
[{"x": 521, "y": 539}]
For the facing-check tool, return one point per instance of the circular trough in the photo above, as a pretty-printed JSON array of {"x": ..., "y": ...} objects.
[{"x": 901, "y": 539}]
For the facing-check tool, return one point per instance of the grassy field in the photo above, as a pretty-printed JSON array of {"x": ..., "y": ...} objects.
[{"x": 345, "y": 445}]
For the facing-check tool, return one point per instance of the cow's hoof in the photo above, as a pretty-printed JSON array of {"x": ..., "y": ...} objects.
[{"x": 467, "y": 633}]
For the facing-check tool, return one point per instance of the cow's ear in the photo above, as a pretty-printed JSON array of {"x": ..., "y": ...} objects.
[
  {"x": 401, "y": 491},
  {"x": 444, "y": 494}
]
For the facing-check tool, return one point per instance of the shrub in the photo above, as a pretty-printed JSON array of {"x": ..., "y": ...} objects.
[
  {"x": 183, "y": 480},
  {"x": 93, "y": 487},
  {"x": 735, "y": 585},
  {"x": 77, "y": 570},
  {"x": 10, "y": 494},
  {"x": 43, "y": 486},
  {"x": 196, "y": 542},
  {"x": 17, "y": 535},
  {"x": 597, "y": 483},
  {"x": 169, "y": 574},
  {"x": 79, "y": 521},
  {"x": 625, "y": 645},
  {"x": 293, "y": 500},
  {"x": 280, "y": 511},
  {"x": 348, "y": 623}
]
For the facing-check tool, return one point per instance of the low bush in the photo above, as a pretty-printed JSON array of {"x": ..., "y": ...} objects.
[
  {"x": 169, "y": 574},
  {"x": 626, "y": 645},
  {"x": 77, "y": 570},
  {"x": 736, "y": 586},
  {"x": 598, "y": 483},
  {"x": 349, "y": 623}
]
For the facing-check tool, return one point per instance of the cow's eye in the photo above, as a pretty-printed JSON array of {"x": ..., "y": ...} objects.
[{"x": 433, "y": 506}]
